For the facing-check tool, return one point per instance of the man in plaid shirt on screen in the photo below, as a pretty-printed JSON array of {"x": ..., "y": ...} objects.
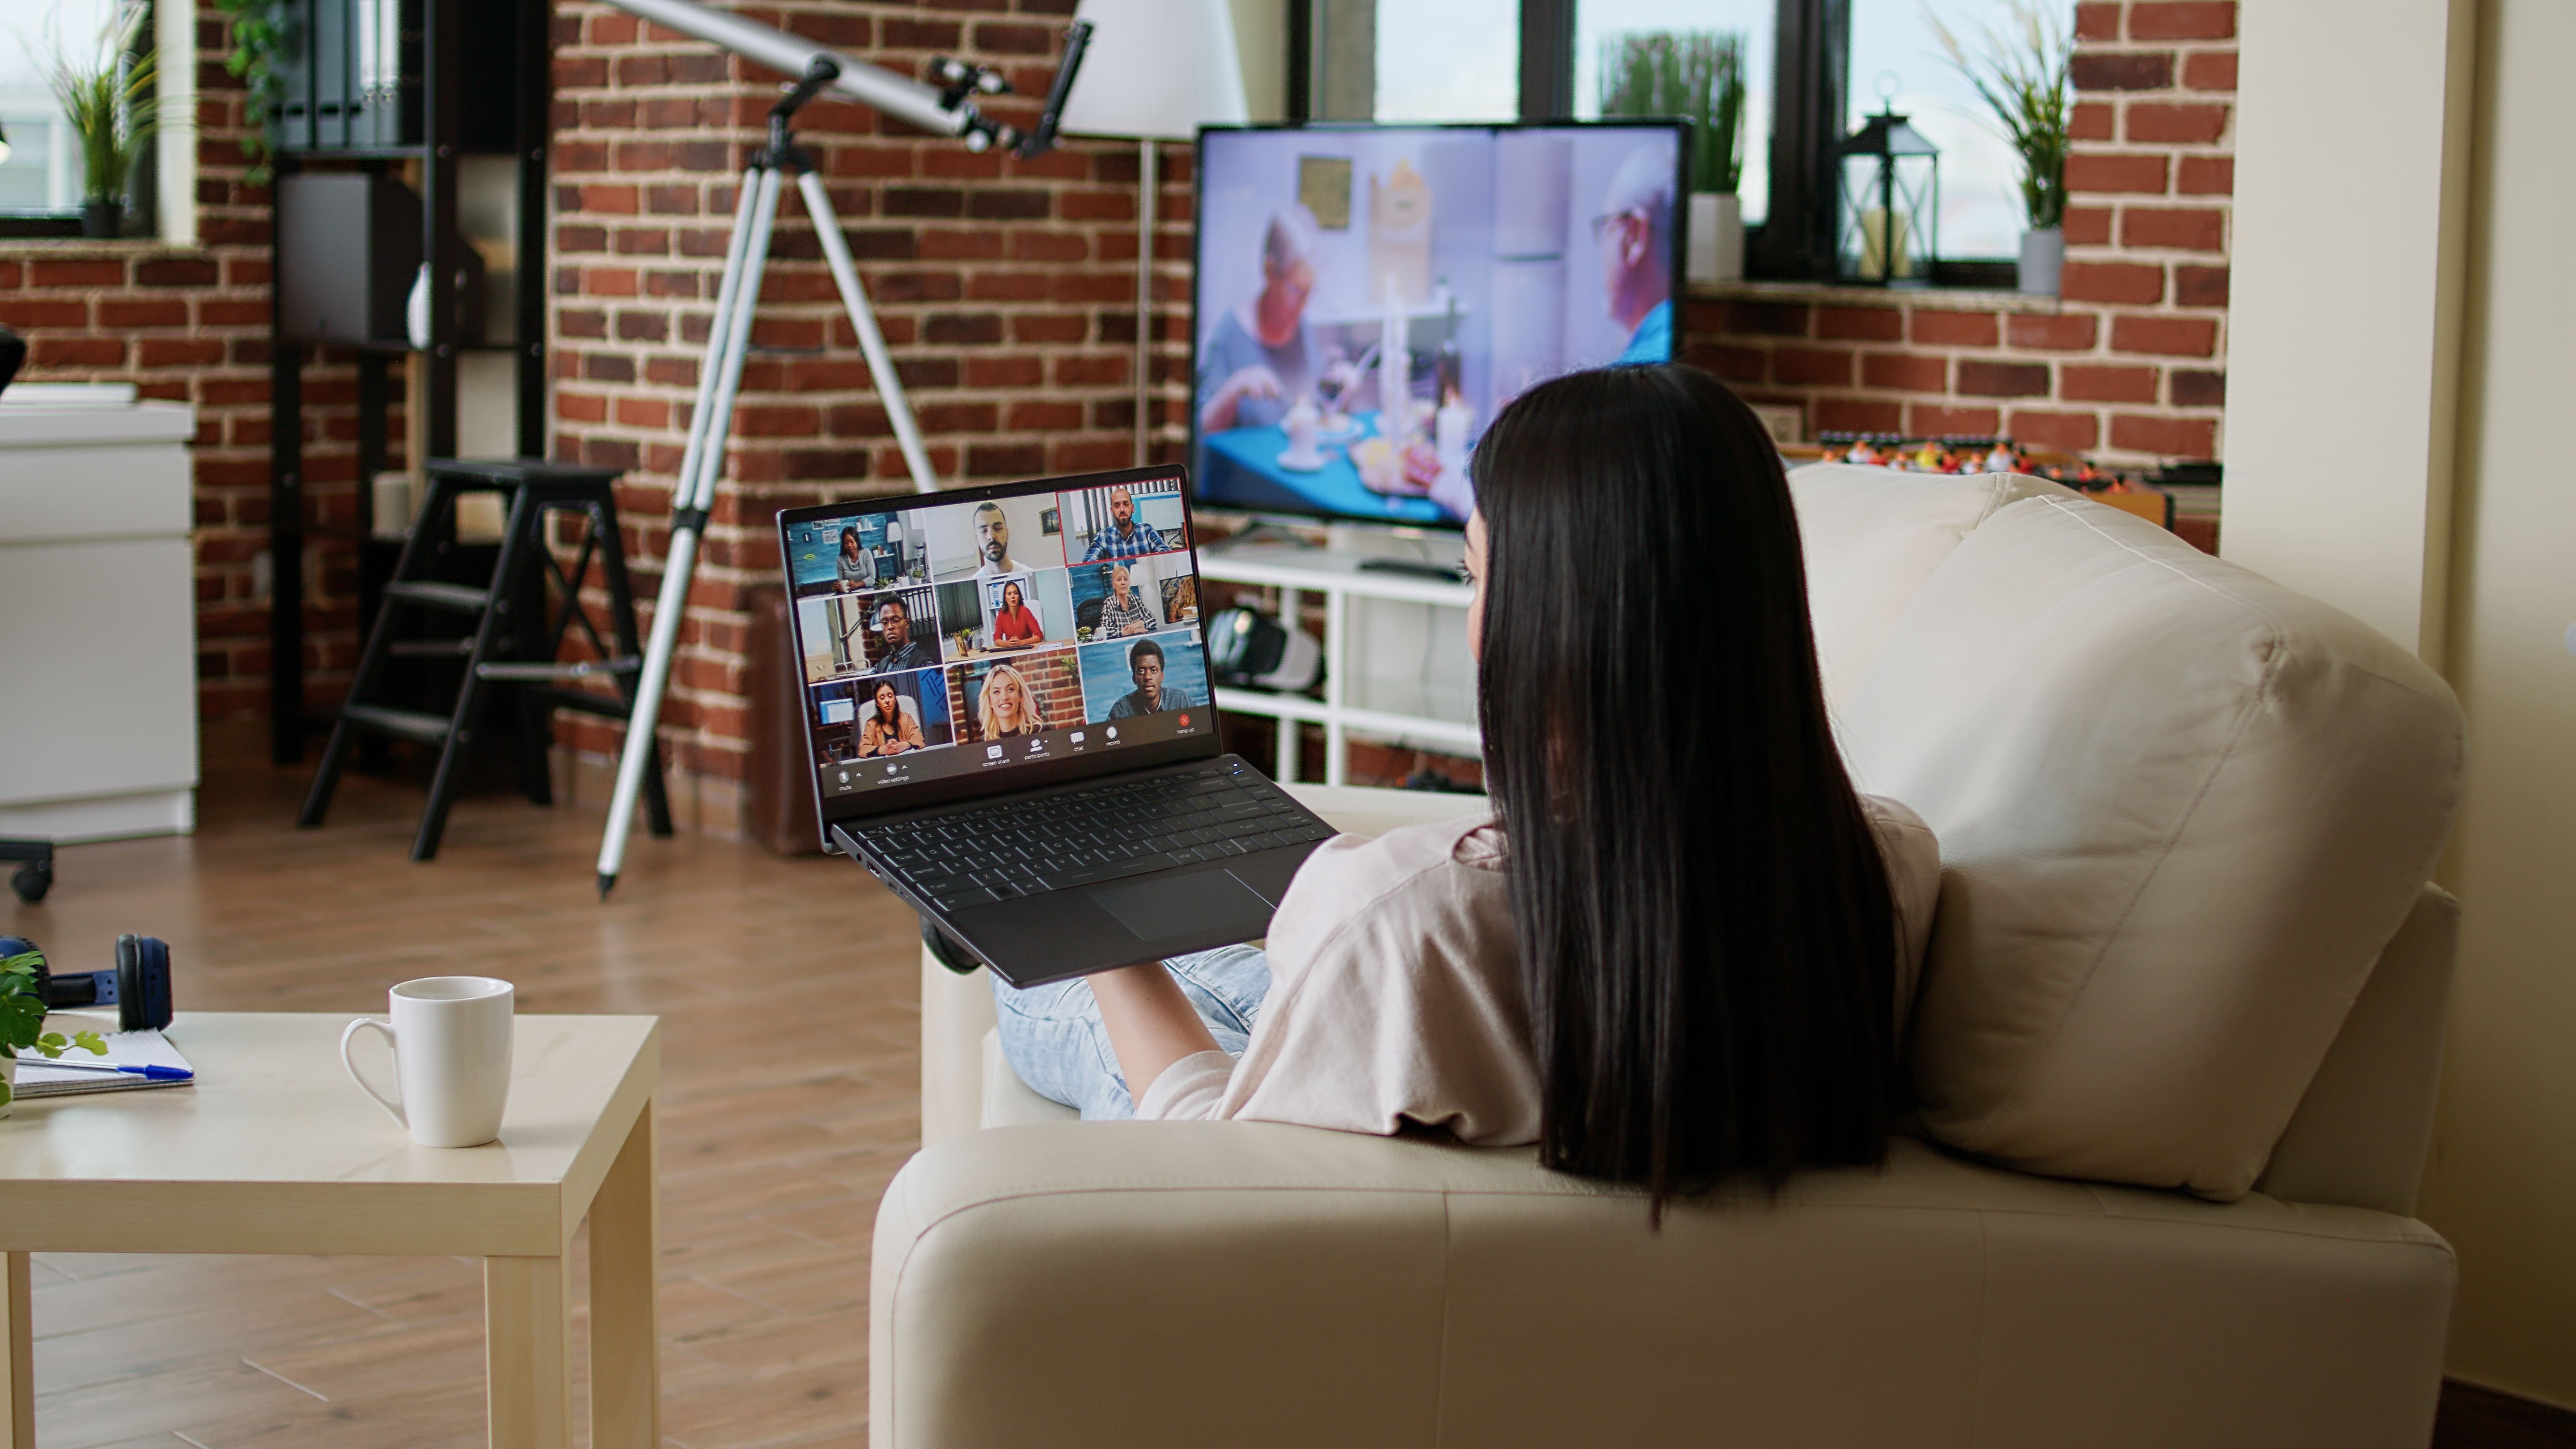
[{"x": 1124, "y": 537}]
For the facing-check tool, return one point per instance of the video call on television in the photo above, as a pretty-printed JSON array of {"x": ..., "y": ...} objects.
[
  {"x": 1368, "y": 298},
  {"x": 940, "y": 641}
]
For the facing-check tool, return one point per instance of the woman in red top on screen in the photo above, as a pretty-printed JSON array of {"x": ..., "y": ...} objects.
[{"x": 1015, "y": 625}]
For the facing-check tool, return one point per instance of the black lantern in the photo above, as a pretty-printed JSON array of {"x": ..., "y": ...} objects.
[{"x": 1888, "y": 230}]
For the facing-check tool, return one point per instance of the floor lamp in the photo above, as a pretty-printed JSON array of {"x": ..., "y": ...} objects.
[{"x": 1156, "y": 71}]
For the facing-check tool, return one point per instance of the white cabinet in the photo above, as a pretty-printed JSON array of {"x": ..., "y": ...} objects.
[
  {"x": 1395, "y": 653},
  {"x": 98, "y": 670}
]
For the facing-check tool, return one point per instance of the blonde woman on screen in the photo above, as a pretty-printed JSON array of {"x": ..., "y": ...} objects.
[{"x": 1006, "y": 709}]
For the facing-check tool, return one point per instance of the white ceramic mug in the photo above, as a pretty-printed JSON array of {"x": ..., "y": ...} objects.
[{"x": 451, "y": 1041}]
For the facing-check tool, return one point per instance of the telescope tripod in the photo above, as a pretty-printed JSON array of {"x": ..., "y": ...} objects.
[{"x": 711, "y": 422}]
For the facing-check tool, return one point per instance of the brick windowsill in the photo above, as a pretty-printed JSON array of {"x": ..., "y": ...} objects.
[{"x": 1947, "y": 299}]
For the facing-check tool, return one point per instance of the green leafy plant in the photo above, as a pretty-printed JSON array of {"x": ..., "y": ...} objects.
[
  {"x": 1697, "y": 75},
  {"x": 22, "y": 1017},
  {"x": 109, "y": 102},
  {"x": 2019, "y": 70},
  {"x": 259, "y": 41}
]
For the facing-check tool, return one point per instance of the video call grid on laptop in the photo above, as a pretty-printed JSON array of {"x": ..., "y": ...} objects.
[{"x": 996, "y": 631}]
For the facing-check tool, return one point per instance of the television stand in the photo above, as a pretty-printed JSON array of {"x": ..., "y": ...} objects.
[
  {"x": 1417, "y": 568},
  {"x": 1400, "y": 675}
]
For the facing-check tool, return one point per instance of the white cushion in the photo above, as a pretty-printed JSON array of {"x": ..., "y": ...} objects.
[
  {"x": 1008, "y": 1101},
  {"x": 1871, "y": 537},
  {"x": 2181, "y": 809}
]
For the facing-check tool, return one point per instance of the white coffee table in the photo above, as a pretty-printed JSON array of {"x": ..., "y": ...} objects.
[{"x": 274, "y": 1150}]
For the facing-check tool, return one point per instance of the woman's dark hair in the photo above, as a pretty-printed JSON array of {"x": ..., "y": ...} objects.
[
  {"x": 1707, "y": 938},
  {"x": 849, "y": 540}
]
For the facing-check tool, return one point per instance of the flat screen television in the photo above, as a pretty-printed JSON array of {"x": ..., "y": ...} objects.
[{"x": 1449, "y": 267}]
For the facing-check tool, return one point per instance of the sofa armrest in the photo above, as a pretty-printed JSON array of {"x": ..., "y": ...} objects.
[
  {"x": 1169, "y": 1284},
  {"x": 2365, "y": 1124},
  {"x": 1008, "y": 1101},
  {"x": 956, "y": 1012}
]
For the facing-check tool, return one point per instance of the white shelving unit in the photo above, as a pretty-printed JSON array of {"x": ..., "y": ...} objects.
[{"x": 1395, "y": 654}]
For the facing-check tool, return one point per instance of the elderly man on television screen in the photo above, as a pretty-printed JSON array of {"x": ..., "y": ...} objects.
[
  {"x": 1261, "y": 358},
  {"x": 1635, "y": 233}
]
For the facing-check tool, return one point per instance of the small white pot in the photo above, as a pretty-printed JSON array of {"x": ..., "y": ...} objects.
[
  {"x": 2043, "y": 260},
  {"x": 1716, "y": 237},
  {"x": 9, "y": 1074}
]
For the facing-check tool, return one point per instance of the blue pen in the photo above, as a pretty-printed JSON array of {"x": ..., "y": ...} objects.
[{"x": 148, "y": 1073}]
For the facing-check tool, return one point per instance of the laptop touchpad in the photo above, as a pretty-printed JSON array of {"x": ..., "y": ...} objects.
[{"x": 1188, "y": 905}]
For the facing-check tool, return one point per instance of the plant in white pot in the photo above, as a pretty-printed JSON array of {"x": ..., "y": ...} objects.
[
  {"x": 109, "y": 102},
  {"x": 1698, "y": 76},
  {"x": 2020, "y": 73},
  {"x": 22, "y": 1023}
]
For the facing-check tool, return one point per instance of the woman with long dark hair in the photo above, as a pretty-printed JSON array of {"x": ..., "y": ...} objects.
[
  {"x": 855, "y": 569},
  {"x": 1676, "y": 952},
  {"x": 887, "y": 729}
]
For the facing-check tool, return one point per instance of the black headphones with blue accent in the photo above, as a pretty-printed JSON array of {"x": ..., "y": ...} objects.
[{"x": 139, "y": 987}]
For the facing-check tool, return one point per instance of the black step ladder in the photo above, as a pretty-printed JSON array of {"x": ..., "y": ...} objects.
[{"x": 512, "y": 652}]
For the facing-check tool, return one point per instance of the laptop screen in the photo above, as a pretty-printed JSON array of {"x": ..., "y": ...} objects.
[{"x": 987, "y": 638}]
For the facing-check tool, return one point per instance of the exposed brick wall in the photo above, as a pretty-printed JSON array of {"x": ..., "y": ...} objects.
[
  {"x": 1005, "y": 290},
  {"x": 190, "y": 324},
  {"x": 2129, "y": 363}
]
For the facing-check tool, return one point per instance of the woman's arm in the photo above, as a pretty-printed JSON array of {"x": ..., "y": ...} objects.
[{"x": 1151, "y": 1024}]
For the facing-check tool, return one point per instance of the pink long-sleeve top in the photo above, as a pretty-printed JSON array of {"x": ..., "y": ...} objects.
[{"x": 1395, "y": 991}]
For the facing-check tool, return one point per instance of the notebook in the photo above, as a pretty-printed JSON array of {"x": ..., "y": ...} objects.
[{"x": 146, "y": 1048}]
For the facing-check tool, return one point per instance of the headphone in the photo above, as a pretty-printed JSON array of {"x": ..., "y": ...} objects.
[
  {"x": 139, "y": 987},
  {"x": 1247, "y": 646}
]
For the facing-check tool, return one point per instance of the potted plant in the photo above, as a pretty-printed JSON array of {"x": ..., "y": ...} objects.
[
  {"x": 108, "y": 101},
  {"x": 1697, "y": 75},
  {"x": 259, "y": 56},
  {"x": 2021, "y": 75},
  {"x": 22, "y": 1023}
]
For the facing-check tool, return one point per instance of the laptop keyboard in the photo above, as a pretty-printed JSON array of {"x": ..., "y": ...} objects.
[{"x": 1119, "y": 828}]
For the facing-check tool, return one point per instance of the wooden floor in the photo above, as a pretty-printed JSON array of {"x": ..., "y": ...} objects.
[{"x": 790, "y": 1009}]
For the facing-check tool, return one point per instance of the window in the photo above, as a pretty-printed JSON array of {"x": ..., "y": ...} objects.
[
  {"x": 1462, "y": 60},
  {"x": 1814, "y": 69},
  {"x": 42, "y": 180},
  {"x": 1896, "y": 59},
  {"x": 1599, "y": 23}
]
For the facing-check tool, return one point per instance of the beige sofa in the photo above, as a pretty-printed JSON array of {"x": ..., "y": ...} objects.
[{"x": 2176, "y": 1045}]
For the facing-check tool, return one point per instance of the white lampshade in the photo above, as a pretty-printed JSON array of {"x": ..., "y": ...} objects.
[{"x": 1156, "y": 69}]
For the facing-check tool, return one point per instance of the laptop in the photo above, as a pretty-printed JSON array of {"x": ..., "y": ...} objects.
[{"x": 1009, "y": 715}]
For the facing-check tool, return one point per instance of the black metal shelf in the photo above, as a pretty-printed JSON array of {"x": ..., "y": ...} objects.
[
  {"x": 382, "y": 153},
  {"x": 390, "y": 347},
  {"x": 352, "y": 153},
  {"x": 407, "y": 90}
]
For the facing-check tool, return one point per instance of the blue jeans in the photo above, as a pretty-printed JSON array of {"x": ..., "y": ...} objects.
[{"x": 1054, "y": 1038}]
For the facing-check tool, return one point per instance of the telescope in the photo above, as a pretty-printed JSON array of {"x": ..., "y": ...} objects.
[
  {"x": 943, "y": 106},
  {"x": 945, "y": 109}
]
